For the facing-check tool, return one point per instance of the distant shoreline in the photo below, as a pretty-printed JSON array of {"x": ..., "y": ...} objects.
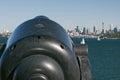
[{"x": 93, "y": 38}]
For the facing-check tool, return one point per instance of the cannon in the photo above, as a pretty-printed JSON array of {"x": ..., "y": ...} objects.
[{"x": 40, "y": 49}]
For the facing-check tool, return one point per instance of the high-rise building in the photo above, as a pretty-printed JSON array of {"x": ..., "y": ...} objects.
[
  {"x": 110, "y": 28},
  {"x": 84, "y": 31},
  {"x": 103, "y": 28},
  {"x": 77, "y": 28},
  {"x": 94, "y": 29},
  {"x": 115, "y": 30}
]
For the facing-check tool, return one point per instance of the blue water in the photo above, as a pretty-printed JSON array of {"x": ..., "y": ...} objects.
[
  {"x": 104, "y": 57},
  {"x": 3, "y": 40}
]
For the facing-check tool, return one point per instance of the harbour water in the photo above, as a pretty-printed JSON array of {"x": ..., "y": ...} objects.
[{"x": 104, "y": 57}]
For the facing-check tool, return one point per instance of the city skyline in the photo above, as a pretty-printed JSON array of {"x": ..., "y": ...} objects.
[
  {"x": 94, "y": 28},
  {"x": 68, "y": 13}
]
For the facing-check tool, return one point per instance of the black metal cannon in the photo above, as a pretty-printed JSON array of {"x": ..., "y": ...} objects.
[{"x": 40, "y": 49}]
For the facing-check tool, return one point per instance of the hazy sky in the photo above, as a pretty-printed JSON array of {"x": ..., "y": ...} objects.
[{"x": 68, "y": 13}]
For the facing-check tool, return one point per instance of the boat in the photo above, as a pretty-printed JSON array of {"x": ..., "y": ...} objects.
[
  {"x": 83, "y": 41},
  {"x": 98, "y": 38}
]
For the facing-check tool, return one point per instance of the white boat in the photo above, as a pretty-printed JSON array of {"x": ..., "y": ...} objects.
[
  {"x": 83, "y": 41},
  {"x": 98, "y": 38}
]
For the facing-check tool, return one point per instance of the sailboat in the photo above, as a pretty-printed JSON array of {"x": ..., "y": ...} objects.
[
  {"x": 83, "y": 41},
  {"x": 98, "y": 38}
]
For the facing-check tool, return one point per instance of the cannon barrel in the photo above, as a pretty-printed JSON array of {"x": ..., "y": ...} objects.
[{"x": 40, "y": 49}]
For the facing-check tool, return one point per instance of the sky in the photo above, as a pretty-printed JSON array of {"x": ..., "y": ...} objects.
[{"x": 68, "y": 13}]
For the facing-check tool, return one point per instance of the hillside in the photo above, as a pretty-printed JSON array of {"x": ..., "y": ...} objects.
[{"x": 112, "y": 35}]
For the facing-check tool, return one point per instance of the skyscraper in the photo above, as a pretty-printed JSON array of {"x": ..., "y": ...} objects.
[
  {"x": 110, "y": 30},
  {"x": 84, "y": 31},
  {"x": 103, "y": 28},
  {"x": 94, "y": 29}
]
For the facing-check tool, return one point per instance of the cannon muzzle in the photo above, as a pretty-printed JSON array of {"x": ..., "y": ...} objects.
[{"x": 39, "y": 49}]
